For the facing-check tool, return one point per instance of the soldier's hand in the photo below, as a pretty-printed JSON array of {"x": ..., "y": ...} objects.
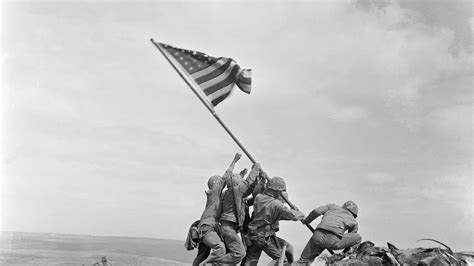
[
  {"x": 302, "y": 216},
  {"x": 243, "y": 172},
  {"x": 257, "y": 166},
  {"x": 237, "y": 157},
  {"x": 284, "y": 194}
]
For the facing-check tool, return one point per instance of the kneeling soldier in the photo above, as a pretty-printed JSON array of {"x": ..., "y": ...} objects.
[{"x": 329, "y": 233}]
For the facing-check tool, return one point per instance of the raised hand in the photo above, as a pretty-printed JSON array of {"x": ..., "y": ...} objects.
[
  {"x": 237, "y": 157},
  {"x": 257, "y": 166}
]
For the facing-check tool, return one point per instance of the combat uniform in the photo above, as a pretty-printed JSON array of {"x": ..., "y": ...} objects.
[
  {"x": 230, "y": 224},
  {"x": 267, "y": 212},
  {"x": 329, "y": 234},
  {"x": 208, "y": 226}
]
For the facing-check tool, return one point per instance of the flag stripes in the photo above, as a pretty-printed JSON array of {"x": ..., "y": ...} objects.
[
  {"x": 221, "y": 85},
  {"x": 213, "y": 70},
  {"x": 215, "y": 76}
]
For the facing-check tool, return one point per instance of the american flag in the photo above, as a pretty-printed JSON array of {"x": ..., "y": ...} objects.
[{"x": 215, "y": 76}]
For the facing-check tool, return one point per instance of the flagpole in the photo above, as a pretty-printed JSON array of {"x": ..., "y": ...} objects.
[
  {"x": 205, "y": 102},
  {"x": 213, "y": 112},
  {"x": 183, "y": 76}
]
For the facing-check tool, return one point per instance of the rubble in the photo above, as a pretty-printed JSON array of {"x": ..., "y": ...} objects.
[{"x": 366, "y": 253}]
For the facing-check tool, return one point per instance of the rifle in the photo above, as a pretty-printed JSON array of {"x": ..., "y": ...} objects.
[{"x": 236, "y": 213}]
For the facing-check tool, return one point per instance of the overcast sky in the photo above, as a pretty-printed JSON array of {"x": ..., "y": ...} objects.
[{"x": 369, "y": 101}]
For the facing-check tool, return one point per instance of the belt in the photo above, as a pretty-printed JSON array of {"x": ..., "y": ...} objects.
[
  {"x": 261, "y": 228},
  {"x": 327, "y": 231}
]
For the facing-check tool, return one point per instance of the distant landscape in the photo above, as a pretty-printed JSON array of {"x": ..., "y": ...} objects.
[{"x": 47, "y": 249}]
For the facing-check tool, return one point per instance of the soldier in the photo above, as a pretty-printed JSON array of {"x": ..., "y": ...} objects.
[
  {"x": 208, "y": 225},
  {"x": 233, "y": 214},
  {"x": 329, "y": 233},
  {"x": 268, "y": 210}
]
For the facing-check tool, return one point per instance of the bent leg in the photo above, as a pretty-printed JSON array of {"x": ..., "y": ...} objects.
[
  {"x": 253, "y": 255},
  {"x": 234, "y": 245},
  {"x": 272, "y": 248},
  {"x": 312, "y": 249},
  {"x": 214, "y": 242},
  {"x": 349, "y": 240},
  {"x": 289, "y": 253},
  {"x": 203, "y": 253}
]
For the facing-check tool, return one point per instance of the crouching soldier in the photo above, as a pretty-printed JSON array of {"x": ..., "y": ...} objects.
[
  {"x": 329, "y": 233},
  {"x": 268, "y": 209},
  {"x": 208, "y": 226}
]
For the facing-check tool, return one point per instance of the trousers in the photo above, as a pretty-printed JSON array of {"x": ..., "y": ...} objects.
[
  {"x": 272, "y": 246},
  {"x": 322, "y": 240},
  {"x": 210, "y": 247},
  {"x": 233, "y": 242}
]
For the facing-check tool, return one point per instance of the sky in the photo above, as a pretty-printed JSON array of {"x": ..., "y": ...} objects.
[{"x": 369, "y": 101}]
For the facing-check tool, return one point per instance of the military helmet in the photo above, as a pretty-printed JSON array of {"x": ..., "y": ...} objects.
[
  {"x": 213, "y": 181},
  {"x": 352, "y": 207},
  {"x": 277, "y": 183}
]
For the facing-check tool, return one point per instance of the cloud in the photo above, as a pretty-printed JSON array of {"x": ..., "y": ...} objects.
[
  {"x": 381, "y": 178},
  {"x": 455, "y": 123},
  {"x": 368, "y": 101},
  {"x": 390, "y": 59}
]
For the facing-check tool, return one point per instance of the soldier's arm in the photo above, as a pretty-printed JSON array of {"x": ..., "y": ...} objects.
[
  {"x": 245, "y": 186},
  {"x": 317, "y": 212},
  {"x": 289, "y": 214},
  {"x": 259, "y": 188},
  {"x": 229, "y": 171},
  {"x": 354, "y": 228}
]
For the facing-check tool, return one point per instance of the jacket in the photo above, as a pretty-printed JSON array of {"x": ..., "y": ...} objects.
[
  {"x": 268, "y": 211},
  {"x": 213, "y": 208},
  {"x": 335, "y": 219},
  {"x": 233, "y": 197}
]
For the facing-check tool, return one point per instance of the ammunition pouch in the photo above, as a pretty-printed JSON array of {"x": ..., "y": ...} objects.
[
  {"x": 258, "y": 239},
  {"x": 205, "y": 228},
  {"x": 259, "y": 235},
  {"x": 267, "y": 229}
]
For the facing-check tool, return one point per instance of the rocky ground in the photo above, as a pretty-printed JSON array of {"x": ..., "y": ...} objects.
[{"x": 56, "y": 249}]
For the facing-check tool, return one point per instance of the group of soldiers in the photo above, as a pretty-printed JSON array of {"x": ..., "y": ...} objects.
[{"x": 226, "y": 233}]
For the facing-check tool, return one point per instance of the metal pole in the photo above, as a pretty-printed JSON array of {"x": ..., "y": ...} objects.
[
  {"x": 213, "y": 112},
  {"x": 158, "y": 46},
  {"x": 233, "y": 137},
  {"x": 206, "y": 103}
]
